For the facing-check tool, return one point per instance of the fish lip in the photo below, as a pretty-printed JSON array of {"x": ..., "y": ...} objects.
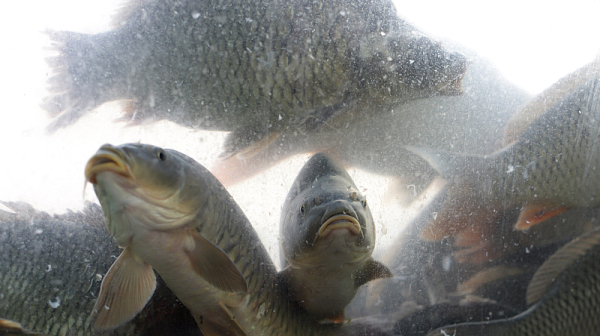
[
  {"x": 108, "y": 158},
  {"x": 340, "y": 221}
]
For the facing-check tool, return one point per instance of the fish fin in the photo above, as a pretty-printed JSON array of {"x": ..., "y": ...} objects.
[
  {"x": 75, "y": 87},
  {"x": 237, "y": 168},
  {"x": 372, "y": 270},
  {"x": 533, "y": 214},
  {"x": 319, "y": 117},
  {"x": 557, "y": 263},
  {"x": 215, "y": 266},
  {"x": 127, "y": 287},
  {"x": 493, "y": 328},
  {"x": 452, "y": 220},
  {"x": 224, "y": 323},
  {"x": 9, "y": 328},
  {"x": 451, "y": 165},
  {"x": 335, "y": 319},
  {"x": 247, "y": 142},
  {"x": 486, "y": 276}
]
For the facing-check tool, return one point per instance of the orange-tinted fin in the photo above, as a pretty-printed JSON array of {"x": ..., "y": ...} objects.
[
  {"x": 486, "y": 276},
  {"x": 453, "y": 220},
  {"x": 214, "y": 265},
  {"x": 558, "y": 262},
  {"x": 533, "y": 214},
  {"x": 125, "y": 290},
  {"x": 338, "y": 318},
  {"x": 220, "y": 322},
  {"x": 9, "y": 328}
]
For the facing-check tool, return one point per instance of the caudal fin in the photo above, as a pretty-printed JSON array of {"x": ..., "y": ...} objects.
[{"x": 83, "y": 76}]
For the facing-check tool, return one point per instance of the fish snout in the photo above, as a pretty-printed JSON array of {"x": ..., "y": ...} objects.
[
  {"x": 345, "y": 218},
  {"x": 108, "y": 158}
]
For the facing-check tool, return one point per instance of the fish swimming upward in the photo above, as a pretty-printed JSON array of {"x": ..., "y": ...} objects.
[
  {"x": 327, "y": 238},
  {"x": 564, "y": 296},
  {"x": 51, "y": 267},
  {"x": 552, "y": 167},
  {"x": 256, "y": 68},
  {"x": 171, "y": 215}
]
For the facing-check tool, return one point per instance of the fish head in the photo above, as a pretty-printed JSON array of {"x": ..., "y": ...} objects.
[
  {"x": 400, "y": 62},
  {"x": 146, "y": 186},
  {"x": 325, "y": 219}
]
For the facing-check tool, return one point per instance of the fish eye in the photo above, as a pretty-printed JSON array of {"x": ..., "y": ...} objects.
[
  {"x": 303, "y": 210},
  {"x": 161, "y": 155},
  {"x": 364, "y": 203}
]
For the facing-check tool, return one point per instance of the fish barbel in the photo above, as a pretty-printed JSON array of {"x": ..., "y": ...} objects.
[
  {"x": 255, "y": 68},
  {"x": 171, "y": 215},
  {"x": 327, "y": 238}
]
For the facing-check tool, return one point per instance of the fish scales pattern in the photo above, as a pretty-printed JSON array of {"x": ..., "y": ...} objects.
[
  {"x": 574, "y": 308},
  {"x": 55, "y": 271},
  {"x": 558, "y": 157},
  {"x": 269, "y": 311}
]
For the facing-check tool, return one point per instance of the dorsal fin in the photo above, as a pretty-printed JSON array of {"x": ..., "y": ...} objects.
[{"x": 558, "y": 263}]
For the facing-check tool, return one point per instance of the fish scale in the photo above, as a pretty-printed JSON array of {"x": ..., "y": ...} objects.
[{"x": 251, "y": 67}]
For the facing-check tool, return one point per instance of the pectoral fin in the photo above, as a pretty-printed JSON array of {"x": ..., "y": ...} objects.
[
  {"x": 533, "y": 214},
  {"x": 220, "y": 322},
  {"x": 125, "y": 290},
  {"x": 8, "y": 328},
  {"x": 214, "y": 265},
  {"x": 372, "y": 270}
]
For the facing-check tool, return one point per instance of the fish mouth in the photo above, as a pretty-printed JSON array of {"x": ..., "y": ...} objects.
[
  {"x": 340, "y": 222},
  {"x": 108, "y": 158}
]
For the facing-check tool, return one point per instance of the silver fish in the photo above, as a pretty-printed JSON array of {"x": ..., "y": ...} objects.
[
  {"x": 51, "y": 267},
  {"x": 327, "y": 238},
  {"x": 257, "y": 68},
  {"x": 171, "y": 215}
]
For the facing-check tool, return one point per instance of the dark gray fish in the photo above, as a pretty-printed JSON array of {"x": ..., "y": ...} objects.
[
  {"x": 51, "y": 268},
  {"x": 327, "y": 238},
  {"x": 553, "y": 167},
  {"x": 257, "y": 68},
  {"x": 564, "y": 295},
  {"x": 356, "y": 139},
  {"x": 171, "y": 215}
]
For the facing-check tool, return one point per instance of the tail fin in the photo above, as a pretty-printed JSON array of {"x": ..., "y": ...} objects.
[{"x": 84, "y": 76}]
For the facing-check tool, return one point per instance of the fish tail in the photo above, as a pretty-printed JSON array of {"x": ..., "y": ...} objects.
[
  {"x": 80, "y": 73},
  {"x": 493, "y": 328}
]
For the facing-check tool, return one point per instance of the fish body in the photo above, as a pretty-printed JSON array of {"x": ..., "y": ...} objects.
[
  {"x": 564, "y": 295},
  {"x": 51, "y": 267},
  {"x": 327, "y": 238},
  {"x": 553, "y": 167},
  {"x": 171, "y": 215},
  {"x": 255, "y": 68}
]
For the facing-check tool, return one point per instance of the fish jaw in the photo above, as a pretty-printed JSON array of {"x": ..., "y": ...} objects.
[{"x": 340, "y": 222}]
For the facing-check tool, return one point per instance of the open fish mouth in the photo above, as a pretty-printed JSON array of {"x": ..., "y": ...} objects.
[
  {"x": 108, "y": 158},
  {"x": 340, "y": 222}
]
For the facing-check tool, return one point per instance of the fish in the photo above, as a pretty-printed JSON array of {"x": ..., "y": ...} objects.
[
  {"x": 550, "y": 169},
  {"x": 51, "y": 268},
  {"x": 171, "y": 215},
  {"x": 256, "y": 69},
  {"x": 327, "y": 236},
  {"x": 563, "y": 297},
  {"x": 358, "y": 141}
]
